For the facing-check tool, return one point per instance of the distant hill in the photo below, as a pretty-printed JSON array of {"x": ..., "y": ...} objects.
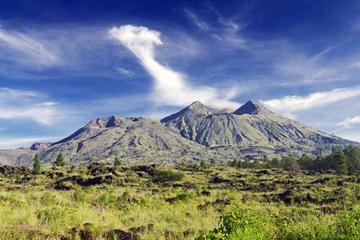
[{"x": 195, "y": 133}]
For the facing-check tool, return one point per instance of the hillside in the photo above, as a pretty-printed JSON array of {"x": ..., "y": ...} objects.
[{"x": 131, "y": 139}]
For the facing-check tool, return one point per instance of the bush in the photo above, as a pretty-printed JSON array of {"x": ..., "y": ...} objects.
[
  {"x": 52, "y": 215},
  {"x": 105, "y": 200},
  {"x": 79, "y": 195},
  {"x": 250, "y": 223},
  {"x": 163, "y": 176}
]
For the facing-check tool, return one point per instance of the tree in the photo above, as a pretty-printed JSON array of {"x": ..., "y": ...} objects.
[
  {"x": 36, "y": 164},
  {"x": 233, "y": 163},
  {"x": 212, "y": 162},
  {"x": 202, "y": 165},
  {"x": 274, "y": 163},
  {"x": 290, "y": 164},
  {"x": 60, "y": 160},
  {"x": 353, "y": 155},
  {"x": 117, "y": 161},
  {"x": 305, "y": 162},
  {"x": 339, "y": 161},
  {"x": 255, "y": 164}
]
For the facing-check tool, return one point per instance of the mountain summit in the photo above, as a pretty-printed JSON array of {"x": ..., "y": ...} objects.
[
  {"x": 195, "y": 108},
  {"x": 251, "y": 108},
  {"x": 252, "y": 131}
]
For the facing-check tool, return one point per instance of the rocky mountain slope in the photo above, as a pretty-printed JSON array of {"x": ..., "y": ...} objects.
[
  {"x": 20, "y": 156},
  {"x": 131, "y": 139},
  {"x": 195, "y": 133},
  {"x": 251, "y": 128}
]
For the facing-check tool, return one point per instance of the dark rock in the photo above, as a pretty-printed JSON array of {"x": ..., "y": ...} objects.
[
  {"x": 263, "y": 172},
  {"x": 65, "y": 186},
  {"x": 221, "y": 202},
  {"x": 97, "y": 180},
  {"x": 10, "y": 170},
  {"x": 150, "y": 227},
  {"x": 219, "y": 179},
  {"x": 96, "y": 169},
  {"x": 205, "y": 192},
  {"x": 120, "y": 235},
  {"x": 173, "y": 235},
  {"x": 149, "y": 169},
  {"x": 87, "y": 233},
  {"x": 321, "y": 180},
  {"x": 188, "y": 233},
  {"x": 137, "y": 230}
]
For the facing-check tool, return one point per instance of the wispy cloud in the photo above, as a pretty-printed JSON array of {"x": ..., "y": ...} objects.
[
  {"x": 19, "y": 104},
  {"x": 18, "y": 46},
  {"x": 15, "y": 142},
  {"x": 197, "y": 21},
  {"x": 226, "y": 30},
  {"x": 291, "y": 104},
  {"x": 125, "y": 72},
  {"x": 170, "y": 87},
  {"x": 350, "y": 121}
]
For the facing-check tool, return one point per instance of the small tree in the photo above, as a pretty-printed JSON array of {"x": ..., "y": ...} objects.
[
  {"x": 202, "y": 165},
  {"x": 353, "y": 155},
  {"x": 339, "y": 161},
  {"x": 36, "y": 164},
  {"x": 60, "y": 160},
  {"x": 290, "y": 164},
  {"x": 117, "y": 161}
]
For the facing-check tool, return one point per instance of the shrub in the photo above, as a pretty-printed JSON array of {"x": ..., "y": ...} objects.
[
  {"x": 52, "y": 215},
  {"x": 163, "y": 176},
  {"x": 60, "y": 160},
  {"x": 105, "y": 200},
  {"x": 48, "y": 199},
  {"x": 36, "y": 164},
  {"x": 79, "y": 195},
  {"x": 347, "y": 225}
]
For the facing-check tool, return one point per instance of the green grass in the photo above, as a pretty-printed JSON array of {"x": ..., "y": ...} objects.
[{"x": 178, "y": 203}]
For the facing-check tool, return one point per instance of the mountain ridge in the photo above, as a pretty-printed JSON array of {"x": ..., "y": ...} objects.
[{"x": 196, "y": 132}]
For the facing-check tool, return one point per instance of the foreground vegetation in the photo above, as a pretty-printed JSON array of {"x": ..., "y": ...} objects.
[{"x": 111, "y": 201}]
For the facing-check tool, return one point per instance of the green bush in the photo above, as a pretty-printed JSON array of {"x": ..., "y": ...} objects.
[
  {"x": 249, "y": 223},
  {"x": 163, "y": 176}
]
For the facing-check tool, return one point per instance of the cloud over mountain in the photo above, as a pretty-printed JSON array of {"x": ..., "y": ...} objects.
[
  {"x": 291, "y": 104},
  {"x": 170, "y": 86}
]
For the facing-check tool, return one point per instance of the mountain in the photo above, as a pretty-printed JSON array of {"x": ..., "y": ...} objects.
[
  {"x": 131, "y": 139},
  {"x": 20, "y": 156},
  {"x": 251, "y": 129},
  {"x": 195, "y": 133}
]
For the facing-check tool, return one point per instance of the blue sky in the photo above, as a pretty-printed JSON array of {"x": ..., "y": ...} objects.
[{"x": 63, "y": 63}]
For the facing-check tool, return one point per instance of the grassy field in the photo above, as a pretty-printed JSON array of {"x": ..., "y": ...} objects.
[{"x": 183, "y": 202}]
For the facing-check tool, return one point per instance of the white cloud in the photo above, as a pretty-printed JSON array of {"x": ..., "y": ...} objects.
[
  {"x": 291, "y": 104},
  {"x": 10, "y": 143},
  {"x": 33, "y": 49},
  {"x": 199, "y": 23},
  {"x": 125, "y": 72},
  {"x": 22, "y": 104},
  {"x": 171, "y": 87},
  {"x": 227, "y": 32},
  {"x": 350, "y": 121},
  {"x": 13, "y": 94}
]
